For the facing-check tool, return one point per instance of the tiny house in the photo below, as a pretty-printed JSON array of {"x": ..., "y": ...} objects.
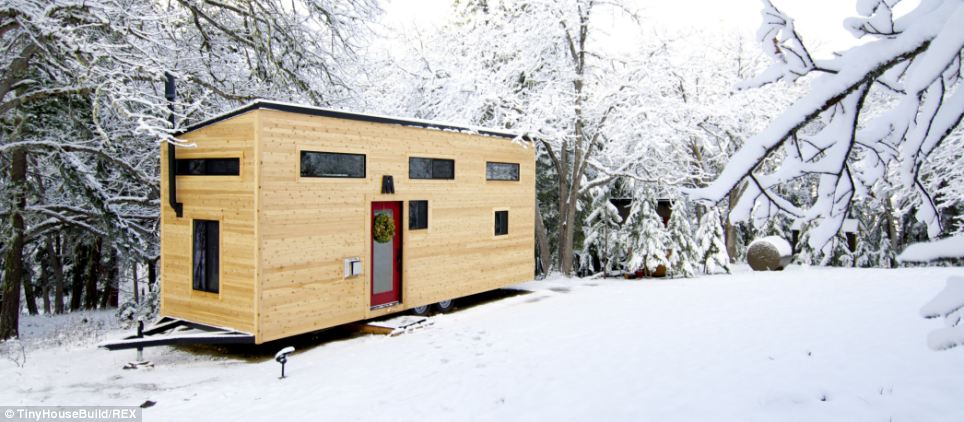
[{"x": 285, "y": 219}]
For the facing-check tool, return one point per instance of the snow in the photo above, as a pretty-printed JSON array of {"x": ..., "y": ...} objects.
[
  {"x": 284, "y": 352},
  {"x": 949, "y": 304},
  {"x": 916, "y": 61},
  {"x": 805, "y": 344},
  {"x": 427, "y": 124},
  {"x": 945, "y": 304},
  {"x": 782, "y": 246},
  {"x": 951, "y": 247}
]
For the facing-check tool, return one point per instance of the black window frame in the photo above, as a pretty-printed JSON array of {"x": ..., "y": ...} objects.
[
  {"x": 418, "y": 215},
  {"x": 504, "y": 224},
  {"x": 518, "y": 169},
  {"x": 304, "y": 153},
  {"x": 207, "y": 278},
  {"x": 432, "y": 167},
  {"x": 221, "y": 166}
]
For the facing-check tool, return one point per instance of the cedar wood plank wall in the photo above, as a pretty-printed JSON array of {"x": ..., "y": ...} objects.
[
  {"x": 229, "y": 199},
  {"x": 306, "y": 227}
]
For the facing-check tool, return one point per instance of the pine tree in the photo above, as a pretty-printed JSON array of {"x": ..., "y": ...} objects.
[
  {"x": 886, "y": 255},
  {"x": 710, "y": 243},
  {"x": 840, "y": 254},
  {"x": 685, "y": 252},
  {"x": 806, "y": 254},
  {"x": 648, "y": 238},
  {"x": 776, "y": 225},
  {"x": 866, "y": 254},
  {"x": 603, "y": 231}
]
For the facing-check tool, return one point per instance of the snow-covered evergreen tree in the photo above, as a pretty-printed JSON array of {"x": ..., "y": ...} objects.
[
  {"x": 710, "y": 243},
  {"x": 602, "y": 232},
  {"x": 649, "y": 240},
  {"x": 777, "y": 225},
  {"x": 839, "y": 253},
  {"x": 684, "y": 254},
  {"x": 806, "y": 254}
]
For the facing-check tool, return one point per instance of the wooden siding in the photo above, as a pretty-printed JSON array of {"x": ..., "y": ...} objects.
[
  {"x": 228, "y": 199},
  {"x": 308, "y": 226}
]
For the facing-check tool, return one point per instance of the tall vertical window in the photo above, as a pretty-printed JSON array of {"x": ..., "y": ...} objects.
[
  {"x": 206, "y": 254},
  {"x": 501, "y": 223},
  {"x": 501, "y": 171},
  {"x": 417, "y": 215},
  {"x": 431, "y": 168}
]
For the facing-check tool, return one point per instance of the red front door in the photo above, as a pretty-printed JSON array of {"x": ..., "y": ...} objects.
[{"x": 386, "y": 259}]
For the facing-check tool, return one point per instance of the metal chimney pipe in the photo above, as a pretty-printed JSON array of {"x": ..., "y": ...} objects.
[{"x": 170, "y": 93}]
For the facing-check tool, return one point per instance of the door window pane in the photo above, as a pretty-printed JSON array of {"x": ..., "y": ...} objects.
[{"x": 383, "y": 262}]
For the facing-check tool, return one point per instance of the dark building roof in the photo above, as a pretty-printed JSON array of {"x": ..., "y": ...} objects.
[{"x": 324, "y": 112}]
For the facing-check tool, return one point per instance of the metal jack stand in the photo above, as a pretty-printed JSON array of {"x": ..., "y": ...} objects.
[{"x": 140, "y": 362}]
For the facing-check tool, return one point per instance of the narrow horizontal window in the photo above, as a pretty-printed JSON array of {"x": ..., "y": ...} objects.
[
  {"x": 417, "y": 215},
  {"x": 501, "y": 171},
  {"x": 207, "y": 167},
  {"x": 431, "y": 168},
  {"x": 501, "y": 223},
  {"x": 206, "y": 256},
  {"x": 332, "y": 164}
]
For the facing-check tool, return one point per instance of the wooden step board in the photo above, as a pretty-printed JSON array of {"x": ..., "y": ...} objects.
[{"x": 395, "y": 326}]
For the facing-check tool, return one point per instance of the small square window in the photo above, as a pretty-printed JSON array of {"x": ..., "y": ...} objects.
[
  {"x": 501, "y": 223},
  {"x": 417, "y": 215}
]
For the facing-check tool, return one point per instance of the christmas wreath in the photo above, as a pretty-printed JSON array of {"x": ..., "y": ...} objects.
[{"x": 384, "y": 229}]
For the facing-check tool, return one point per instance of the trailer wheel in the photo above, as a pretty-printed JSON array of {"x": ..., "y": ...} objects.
[
  {"x": 445, "y": 306},
  {"x": 421, "y": 310}
]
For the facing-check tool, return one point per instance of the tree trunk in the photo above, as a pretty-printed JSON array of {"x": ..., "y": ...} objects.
[
  {"x": 13, "y": 271},
  {"x": 108, "y": 272},
  {"x": 892, "y": 225},
  {"x": 151, "y": 275},
  {"x": 77, "y": 275},
  {"x": 567, "y": 233},
  {"x": 28, "y": 292},
  {"x": 729, "y": 230},
  {"x": 137, "y": 294},
  {"x": 57, "y": 272},
  {"x": 90, "y": 276},
  {"x": 46, "y": 298},
  {"x": 542, "y": 243}
]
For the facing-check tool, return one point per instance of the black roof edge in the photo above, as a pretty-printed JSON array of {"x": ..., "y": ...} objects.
[{"x": 371, "y": 118}]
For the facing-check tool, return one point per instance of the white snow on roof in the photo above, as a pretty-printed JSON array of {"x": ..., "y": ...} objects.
[{"x": 426, "y": 124}]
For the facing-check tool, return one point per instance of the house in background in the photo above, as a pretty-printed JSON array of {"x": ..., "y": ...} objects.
[{"x": 294, "y": 219}]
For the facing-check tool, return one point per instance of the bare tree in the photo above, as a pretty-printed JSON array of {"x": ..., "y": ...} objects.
[{"x": 833, "y": 134}]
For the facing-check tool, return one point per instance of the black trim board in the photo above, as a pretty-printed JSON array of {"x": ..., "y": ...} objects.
[{"x": 314, "y": 111}]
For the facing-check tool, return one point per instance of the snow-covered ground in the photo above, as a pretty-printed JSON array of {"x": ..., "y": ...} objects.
[{"x": 807, "y": 344}]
